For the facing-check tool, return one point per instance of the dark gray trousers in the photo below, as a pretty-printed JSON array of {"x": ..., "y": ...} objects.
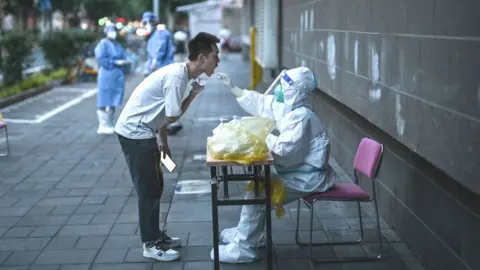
[{"x": 143, "y": 157}]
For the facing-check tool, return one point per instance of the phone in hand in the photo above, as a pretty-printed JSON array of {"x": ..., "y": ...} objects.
[{"x": 167, "y": 162}]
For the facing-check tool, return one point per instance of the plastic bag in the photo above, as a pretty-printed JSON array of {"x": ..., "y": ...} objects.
[
  {"x": 278, "y": 194},
  {"x": 241, "y": 140}
]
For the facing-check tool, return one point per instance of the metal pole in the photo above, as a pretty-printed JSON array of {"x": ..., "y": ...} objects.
[{"x": 156, "y": 9}]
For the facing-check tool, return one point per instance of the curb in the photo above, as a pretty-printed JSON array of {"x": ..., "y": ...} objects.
[{"x": 28, "y": 94}]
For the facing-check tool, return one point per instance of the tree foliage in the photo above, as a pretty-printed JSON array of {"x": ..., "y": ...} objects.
[{"x": 131, "y": 9}]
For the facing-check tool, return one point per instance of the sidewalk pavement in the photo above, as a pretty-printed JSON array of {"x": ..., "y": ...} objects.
[{"x": 67, "y": 200}]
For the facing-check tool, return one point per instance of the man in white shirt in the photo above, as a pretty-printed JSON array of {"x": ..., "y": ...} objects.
[{"x": 142, "y": 132}]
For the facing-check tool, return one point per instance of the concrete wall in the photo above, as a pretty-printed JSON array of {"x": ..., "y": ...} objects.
[{"x": 405, "y": 73}]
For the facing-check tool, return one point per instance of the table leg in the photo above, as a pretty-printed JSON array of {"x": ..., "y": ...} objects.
[
  {"x": 268, "y": 217},
  {"x": 225, "y": 181},
  {"x": 213, "y": 176},
  {"x": 256, "y": 173}
]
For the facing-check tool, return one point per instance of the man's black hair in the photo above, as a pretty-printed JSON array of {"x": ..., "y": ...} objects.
[{"x": 202, "y": 43}]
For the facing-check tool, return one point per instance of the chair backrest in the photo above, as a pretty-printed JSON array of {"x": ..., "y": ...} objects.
[{"x": 368, "y": 156}]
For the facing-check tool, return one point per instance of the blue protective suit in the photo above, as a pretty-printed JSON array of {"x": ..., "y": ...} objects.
[
  {"x": 160, "y": 47},
  {"x": 111, "y": 78}
]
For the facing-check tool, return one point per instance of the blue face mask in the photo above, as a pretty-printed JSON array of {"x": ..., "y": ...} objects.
[{"x": 278, "y": 93}]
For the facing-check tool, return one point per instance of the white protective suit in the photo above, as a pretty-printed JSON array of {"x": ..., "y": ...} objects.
[{"x": 301, "y": 154}]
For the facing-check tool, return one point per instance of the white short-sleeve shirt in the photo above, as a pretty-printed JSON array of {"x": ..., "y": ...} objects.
[{"x": 160, "y": 95}]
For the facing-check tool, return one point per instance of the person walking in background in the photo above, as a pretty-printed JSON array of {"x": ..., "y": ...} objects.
[
  {"x": 224, "y": 36},
  {"x": 111, "y": 79}
]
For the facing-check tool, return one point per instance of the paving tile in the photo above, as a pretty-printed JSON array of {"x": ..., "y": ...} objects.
[
  {"x": 22, "y": 258},
  {"x": 16, "y": 232},
  {"x": 15, "y": 244},
  {"x": 44, "y": 267},
  {"x": 78, "y": 219},
  {"x": 63, "y": 242},
  {"x": 177, "y": 265},
  {"x": 45, "y": 231},
  {"x": 84, "y": 230},
  {"x": 124, "y": 229},
  {"x": 90, "y": 242},
  {"x": 66, "y": 257},
  {"x": 123, "y": 266},
  {"x": 111, "y": 256},
  {"x": 75, "y": 267},
  {"x": 104, "y": 219}
]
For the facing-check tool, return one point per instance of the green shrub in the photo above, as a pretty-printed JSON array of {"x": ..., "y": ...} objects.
[
  {"x": 59, "y": 48},
  {"x": 37, "y": 80},
  {"x": 62, "y": 48},
  {"x": 58, "y": 74},
  {"x": 83, "y": 38},
  {"x": 16, "y": 55}
]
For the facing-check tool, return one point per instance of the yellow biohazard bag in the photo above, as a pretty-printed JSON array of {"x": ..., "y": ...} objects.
[
  {"x": 278, "y": 194},
  {"x": 241, "y": 140}
]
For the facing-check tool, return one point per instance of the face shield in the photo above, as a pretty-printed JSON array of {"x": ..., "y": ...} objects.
[{"x": 292, "y": 86}]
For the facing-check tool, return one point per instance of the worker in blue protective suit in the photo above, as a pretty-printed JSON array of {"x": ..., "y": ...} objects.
[
  {"x": 111, "y": 80},
  {"x": 160, "y": 51},
  {"x": 300, "y": 152},
  {"x": 160, "y": 47}
]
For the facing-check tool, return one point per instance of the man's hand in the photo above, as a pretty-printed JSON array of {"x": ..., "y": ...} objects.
[
  {"x": 164, "y": 150},
  {"x": 197, "y": 88},
  {"x": 162, "y": 141}
]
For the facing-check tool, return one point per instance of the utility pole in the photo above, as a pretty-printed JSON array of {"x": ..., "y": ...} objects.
[{"x": 156, "y": 8}]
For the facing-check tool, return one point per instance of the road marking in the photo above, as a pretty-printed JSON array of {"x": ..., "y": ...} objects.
[
  {"x": 55, "y": 111},
  {"x": 193, "y": 187}
]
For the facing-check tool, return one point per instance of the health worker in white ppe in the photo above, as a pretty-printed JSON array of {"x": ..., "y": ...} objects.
[{"x": 300, "y": 152}]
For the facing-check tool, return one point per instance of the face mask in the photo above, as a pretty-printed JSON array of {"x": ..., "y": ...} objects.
[
  {"x": 112, "y": 34},
  {"x": 278, "y": 93},
  {"x": 149, "y": 28}
]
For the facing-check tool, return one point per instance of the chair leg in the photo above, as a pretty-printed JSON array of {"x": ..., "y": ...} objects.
[
  {"x": 379, "y": 231},
  {"x": 360, "y": 220},
  {"x": 297, "y": 237},
  {"x": 328, "y": 243},
  {"x": 311, "y": 233},
  {"x": 359, "y": 258}
]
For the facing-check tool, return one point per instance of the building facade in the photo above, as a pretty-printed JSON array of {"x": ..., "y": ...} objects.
[{"x": 404, "y": 73}]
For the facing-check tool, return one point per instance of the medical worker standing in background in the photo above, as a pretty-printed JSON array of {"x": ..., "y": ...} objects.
[{"x": 111, "y": 79}]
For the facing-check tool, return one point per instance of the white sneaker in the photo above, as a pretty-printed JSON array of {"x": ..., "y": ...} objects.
[{"x": 160, "y": 252}]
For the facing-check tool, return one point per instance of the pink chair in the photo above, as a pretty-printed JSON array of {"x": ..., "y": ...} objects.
[
  {"x": 3, "y": 126},
  {"x": 367, "y": 161}
]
